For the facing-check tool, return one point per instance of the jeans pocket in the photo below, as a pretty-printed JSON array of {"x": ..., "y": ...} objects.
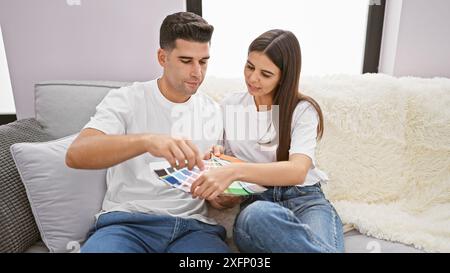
[
  {"x": 95, "y": 227},
  {"x": 304, "y": 190}
]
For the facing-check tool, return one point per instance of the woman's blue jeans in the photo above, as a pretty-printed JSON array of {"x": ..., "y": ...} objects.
[{"x": 289, "y": 219}]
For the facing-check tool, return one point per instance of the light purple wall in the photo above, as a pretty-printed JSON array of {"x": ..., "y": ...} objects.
[
  {"x": 97, "y": 40},
  {"x": 416, "y": 38}
]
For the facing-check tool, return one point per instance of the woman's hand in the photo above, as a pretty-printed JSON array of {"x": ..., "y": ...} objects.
[
  {"x": 226, "y": 201},
  {"x": 217, "y": 150},
  {"x": 213, "y": 182}
]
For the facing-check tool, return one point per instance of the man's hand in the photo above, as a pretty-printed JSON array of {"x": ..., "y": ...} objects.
[
  {"x": 179, "y": 152},
  {"x": 225, "y": 201}
]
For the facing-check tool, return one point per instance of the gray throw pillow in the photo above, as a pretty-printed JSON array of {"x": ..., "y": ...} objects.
[
  {"x": 64, "y": 201},
  {"x": 17, "y": 226}
]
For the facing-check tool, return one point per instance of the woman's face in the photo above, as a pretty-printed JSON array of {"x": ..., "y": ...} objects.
[{"x": 261, "y": 74}]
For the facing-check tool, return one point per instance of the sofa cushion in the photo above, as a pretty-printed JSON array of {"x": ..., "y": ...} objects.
[
  {"x": 19, "y": 231},
  {"x": 64, "y": 107},
  {"x": 38, "y": 247},
  {"x": 64, "y": 201}
]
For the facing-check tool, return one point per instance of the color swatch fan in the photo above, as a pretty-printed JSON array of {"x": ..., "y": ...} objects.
[{"x": 184, "y": 178}]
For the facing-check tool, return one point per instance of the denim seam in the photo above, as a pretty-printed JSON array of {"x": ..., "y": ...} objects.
[
  {"x": 175, "y": 229},
  {"x": 335, "y": 217},
  {"x": 334, "y": 229}
]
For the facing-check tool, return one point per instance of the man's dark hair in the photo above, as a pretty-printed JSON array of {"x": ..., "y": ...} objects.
[{"x": 184, "y": 25}]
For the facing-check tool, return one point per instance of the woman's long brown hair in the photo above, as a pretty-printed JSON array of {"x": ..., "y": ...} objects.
[{"x": 283, "y": 49}]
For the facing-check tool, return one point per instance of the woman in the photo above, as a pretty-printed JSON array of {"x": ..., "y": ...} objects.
[{"x": 293, "y": 215}]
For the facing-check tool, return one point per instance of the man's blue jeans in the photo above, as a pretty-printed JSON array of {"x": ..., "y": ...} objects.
[
  {"x": 147, "y": 233},
  {"x": 289, "y": 219}
]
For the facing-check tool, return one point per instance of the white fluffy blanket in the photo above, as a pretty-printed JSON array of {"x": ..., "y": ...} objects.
[{"x": 386, "y": 149}]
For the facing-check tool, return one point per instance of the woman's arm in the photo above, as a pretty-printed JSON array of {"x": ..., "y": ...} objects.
[{"x": 284, "y": 173}]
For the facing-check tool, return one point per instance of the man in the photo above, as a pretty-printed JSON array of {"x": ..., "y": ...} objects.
[{"x": 134, "y": 126}]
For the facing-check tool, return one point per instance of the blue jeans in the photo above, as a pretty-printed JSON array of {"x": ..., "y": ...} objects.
[
  {"x": 289, "y": 219},
  {"x": 148, "y": 233}
]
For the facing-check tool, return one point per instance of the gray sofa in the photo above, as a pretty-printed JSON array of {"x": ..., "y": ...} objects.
[{"x": 63, "y": 107}]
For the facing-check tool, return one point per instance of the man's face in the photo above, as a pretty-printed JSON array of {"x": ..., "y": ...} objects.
[{"x": 185, "y": 66}]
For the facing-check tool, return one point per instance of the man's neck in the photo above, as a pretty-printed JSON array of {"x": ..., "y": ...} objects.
[{"x": 169, "y": 93}]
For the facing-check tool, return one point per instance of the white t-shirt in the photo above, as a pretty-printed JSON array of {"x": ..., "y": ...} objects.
[
  {"x": 132, "y": 186},
  {"x": 251, "y": 136}
]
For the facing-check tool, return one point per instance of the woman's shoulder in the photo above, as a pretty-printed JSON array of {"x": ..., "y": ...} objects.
[
  {"x": 305, "y": 109},
  {"x": 304, "y": 105},
  {"x": 235, "y": 98}
]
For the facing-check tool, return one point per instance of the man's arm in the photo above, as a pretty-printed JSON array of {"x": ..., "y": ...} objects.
[{"x": 93, "y": 149}]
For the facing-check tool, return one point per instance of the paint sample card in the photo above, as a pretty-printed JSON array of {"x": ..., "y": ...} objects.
[{"x": 184, "y": 178}]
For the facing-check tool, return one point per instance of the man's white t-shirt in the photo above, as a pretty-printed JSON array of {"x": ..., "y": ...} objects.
[
  {"x": 132, "y": 186},
  {"x": 251, "y": 136}
]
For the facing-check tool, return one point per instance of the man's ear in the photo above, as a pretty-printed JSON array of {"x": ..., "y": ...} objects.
[{"x": 162, "y": 57}]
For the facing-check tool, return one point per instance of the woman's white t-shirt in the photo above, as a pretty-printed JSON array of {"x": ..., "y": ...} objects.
[{"x": 251, "y": 136}]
